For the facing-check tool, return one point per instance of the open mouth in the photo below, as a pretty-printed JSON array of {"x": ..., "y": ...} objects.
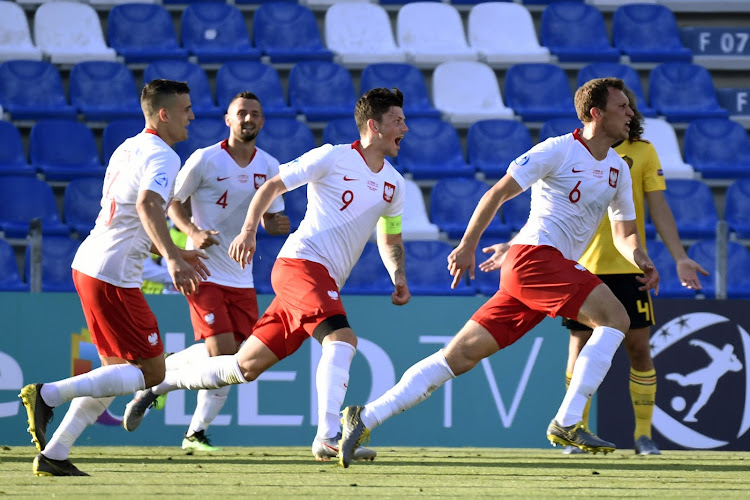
[{"x": 398, "y": 141}]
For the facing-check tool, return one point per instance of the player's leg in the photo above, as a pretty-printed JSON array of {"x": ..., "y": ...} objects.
[{"x": 579, "y": 335}]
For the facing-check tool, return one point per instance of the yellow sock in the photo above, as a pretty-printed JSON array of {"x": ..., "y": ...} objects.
[
  {"x": 568, "y": 376},
  {"x": 643, "y": 394}
]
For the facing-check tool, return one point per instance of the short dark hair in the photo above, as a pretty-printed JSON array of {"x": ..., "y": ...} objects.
[
  {"x": 636, "y": 122},
  {"x": 374, "y": 104},
  {"x": 594, "y": 94},
  {"x": 245, "y": 95},
  {"x": 157, "y": 94}
]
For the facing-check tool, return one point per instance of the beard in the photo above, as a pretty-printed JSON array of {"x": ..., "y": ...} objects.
[{"x": 246, "y": 135}]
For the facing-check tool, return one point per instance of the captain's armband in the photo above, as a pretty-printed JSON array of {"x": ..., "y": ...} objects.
[{"x": 390, "y": 225}]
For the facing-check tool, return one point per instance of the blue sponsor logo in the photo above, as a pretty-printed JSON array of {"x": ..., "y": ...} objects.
[
  {"x": 522, "y": 160},
  {"x": 161, "y": 179}
]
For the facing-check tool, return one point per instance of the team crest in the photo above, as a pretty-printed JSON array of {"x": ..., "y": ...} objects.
[
  {"x": 613, "y": 175},
  {"x": 259, "y": 180},
  {"x": 628, "y": 160},
  {"x": 388, "y": 191}
]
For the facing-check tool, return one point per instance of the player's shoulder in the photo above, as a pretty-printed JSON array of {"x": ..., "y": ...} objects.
[
  {"x": 154, "y": 147},
  {"x": 264, "y": 156},
  {"x": 209, "y": 151}
]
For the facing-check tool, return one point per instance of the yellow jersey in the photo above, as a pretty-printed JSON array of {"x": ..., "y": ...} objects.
[{"x": 601, "y": 256}]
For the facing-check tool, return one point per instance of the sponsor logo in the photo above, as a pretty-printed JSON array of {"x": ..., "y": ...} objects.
[
  {"x": 222, "y": 178},
  {"x": 372, "y": 185},
  {"x": 346, "y": 178},
  {"x": 259, "y": 180},
  {"x": 153, "y": 338},
  {"x": 161, "y": 179},
  {"x": 613, "y": 175},
  {"x": 660, "y": 173},
  {"x": 628, "y": 160},
  {"x": 243, "y": 178},
  {"x": 209, "y": 318},
  {"x": 522, "y": 160},
  {"x": 598, "y": 173},
  {"x": 388, "y": 191},
  {"x": 578, "y": 171},
  {"x": 333, "y": 294}
]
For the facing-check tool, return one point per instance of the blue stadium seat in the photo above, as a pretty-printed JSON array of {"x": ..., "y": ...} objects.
[
  {"x": 104, "y": 90},
  {"x": 295, "y": 205},
  {"x": 265, "y": 255},
  {"x": 201, "y": 97},
  {"x": 25, "y": 198},
  {"x": 202, "y": 132},
  {"x": 285, "y": 139},
  {"x": 493, "y": 144},
  {"x": 516, "y": 210},
  {"x": 12, "y": 156},
  {"x": 737, "y": 208},
  {"x": 558, "y": 126},
  {"x": 718, "y": 148},
  {"x": 63, "y": 150},
  {"x": 408, "y": 79},
  {"x": 670, "y": 285},
  {"x": 487, "y": 283},
  {"x": 432, "y": 150},
  {"x": 10, "y": 279},
  {"x": 57, "y": 256},
  {"x": 261, "y": 79},
  {"x": 692, "y": 205},
  {"x": 369, "y": 276},
  {"x": 115, "y": 134},
  {"x": 82, "y": 204},
  {"x": 453, "y": 201},
  {"x": 426, "y": 262},
  {"x": 216, "y": 32},
  {"x": 322, "y": 90},
  {"x": 648, "y": 32},
  {"x": 287, "y": 32},
  {"x": 625, "y": 73},
  {"x": 143, "y": 33},
  {"x": 588, "y": 41},
  {"x": 44, "y": 99},
  {"x": 538, "y": 92},
  {"x": 682, "y": 92},
  {"x": 341, "y": 131},
  {"x": 738, "y": 261}
]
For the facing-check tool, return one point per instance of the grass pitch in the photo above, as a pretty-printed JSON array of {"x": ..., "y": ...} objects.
[{"x": 290, "y": 472}]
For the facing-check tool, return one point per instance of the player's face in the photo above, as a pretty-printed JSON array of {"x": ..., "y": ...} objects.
[
  {"x": 180, "y": 114},
  {"x": 617, "y": 116},
  {"x": 391, "y": 129},
  {"x": 245, "y": 119}
]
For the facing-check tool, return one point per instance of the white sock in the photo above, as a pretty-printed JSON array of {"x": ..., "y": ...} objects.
[
  {"x": 210, "y": 373},
  {"x": 82, "y": 413},
  {"x": 209, "y": 405},
  {"x": 332, "y": 379},
  {"x": 194, "y": 353},
  {"x": 590, "y": 369},
  {"x": 111, "y": 380},
  {"x": 416, "y": 385}
]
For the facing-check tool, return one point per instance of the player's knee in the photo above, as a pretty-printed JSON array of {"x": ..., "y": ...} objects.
[
  {"x": 619, "y": 319},
  {"x": 153, "y": 376},
  {"x": 336, "y": 328}
]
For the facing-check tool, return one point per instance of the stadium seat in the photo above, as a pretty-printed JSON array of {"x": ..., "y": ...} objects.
[
  {"x": 143, "y": 33},
  {"x": 57, "y": 256},
  {"x": 62, "y": 150},
  {"x": 202, "y": 132},
  {"x": 425, "y": 44},
  {"x": 453, "y": 201},
  {"x": 261, "y": 78},
  {"x": 407, "y": 78},
  {"x": 588, "y": 41},
  {"x": 25, "y": 198},
  {"x": 662, "y": 135},
  {"x": 558, "y": 126},
  {"x": 82, "y": 203},
  {"x": 287, "y": 32},
  {"x": 12, "y": 155},
  {"x": 10, "y": 279},
  {"x": 321, "y": 90},
  {"x": 426, "y": 264},
  {"x": 682, "y": 92},
  {"x": 493, "y": 144},
  {"x": 486, "y": 283},
  {"x": 265, "y": 255},
  {"x": 618, "y": 70},
  {"x": 432, "y": 150},
  {"x": 718, "y": 148},
  {"x": 201, "y": 97},
  {"x": 16, "y": 40},
  {"x": 360, "y": 34},
  {"x": 415, "y": 224},
  {"x": 44, "y": 99},
  {"x": 670, "y": 285},
  {"x": 295, "y": 205},
  {"x": 692, "y": 205},
  {"x": 340, "y": 131},
  {"x": 538, "y": 92},
  {"x": 115, "y": 134},
  {"x": 216, "y": 32},
  {"x": 467, "y": 91},
  {"x": 516, "y": 210},
  {"x": 648, "y": 33},
  {"x": 104, "y": 90},
  {"x": 519, "y": 43},
  {"x": 738, "y": 258},
  {"x": 70, "y": 32},
  {"x": 369, "y": 276},
  {"x": 737, "y": 208},
  {"x": 285, "y": 139}
]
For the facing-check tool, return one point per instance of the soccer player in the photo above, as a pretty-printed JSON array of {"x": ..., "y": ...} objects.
[
  {"x": 602, "y": 258},
  {"x": 219, "y": 181},
  {"x": 107, "y": 272},
  {"x": 573, "y": 178},
  {"x": 351, "y": 189}
]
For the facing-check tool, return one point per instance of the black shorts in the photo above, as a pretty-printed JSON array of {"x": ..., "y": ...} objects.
[{"x": 637, "y": 303}]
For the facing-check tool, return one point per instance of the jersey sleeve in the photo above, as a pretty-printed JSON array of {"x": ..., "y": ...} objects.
[
  {"x": 396, "y": 207},
  {"x": 653, "y": 177},
  {"x": 621, "y": 207},
  {"x": 189, "y": 177},
  {"x": 159, "y": 173},
  {"x": 537, "y": 163},
  {"x": 309, "y": 167},
  {"x": 277, "y": 205}
]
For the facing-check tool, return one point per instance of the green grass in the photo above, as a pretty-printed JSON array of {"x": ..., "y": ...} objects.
[{"x": 290, "y": 472}]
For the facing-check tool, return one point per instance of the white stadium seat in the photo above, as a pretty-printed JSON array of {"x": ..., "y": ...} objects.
[
  {"x": 15, "y": 38},
  {"x": 361, "y": 34},
  {"x": 69, "y": 32}
]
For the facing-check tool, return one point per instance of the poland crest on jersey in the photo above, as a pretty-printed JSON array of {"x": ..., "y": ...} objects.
[
  {"x": 259, "y": 180},
  {"x": 613, "y": 175},
  {"x": 388, "y": 191}
]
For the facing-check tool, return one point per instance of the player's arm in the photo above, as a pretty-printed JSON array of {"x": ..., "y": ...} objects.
[
  {"x": 628, "y": 243},
  {"x": 687, "y": 268},
  {"x": 202, "y": 238},
  {"x": 391, "y": 248}
]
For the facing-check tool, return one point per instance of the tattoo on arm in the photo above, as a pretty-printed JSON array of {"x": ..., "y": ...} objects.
[{"x": 396, "y": 257}]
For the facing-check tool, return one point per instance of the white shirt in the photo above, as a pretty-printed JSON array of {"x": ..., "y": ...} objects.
[
  {"x": 570, "y": 190},
  {"x": 345, "y": 199},
  {"x": 118, "y": 245},
  {"x": 220, "y": 192}
]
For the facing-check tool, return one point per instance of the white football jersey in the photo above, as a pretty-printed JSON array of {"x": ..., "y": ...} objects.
[
  {"x": 220, "y": 192},
  {"x": 345, "y": 199},
  {"x": 570, "y": 191},
  {"x": 118, "y": 245}
]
